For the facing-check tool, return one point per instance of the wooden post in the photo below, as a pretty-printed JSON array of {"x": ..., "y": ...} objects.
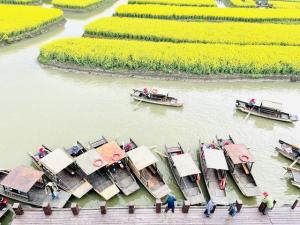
[
  {"x": 274, "y": 203},
  {"x": 186, "y": 206},
  {"x": 295, "y": 204},
  {"x": 17, "y": 208},
  {"x": 75, "y": 208},
  {"x": 103, "y": 207},
  {"x": 158, "y": 206},
  {"x": 47, "y": 208},
  {"x": 130, "y": 208},
  {"x": 239, "y": 206}
]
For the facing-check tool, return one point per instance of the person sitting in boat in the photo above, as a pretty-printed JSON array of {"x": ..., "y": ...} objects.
[
  {"x": 42, "y": 152},
  {"x": 212, "y": 145},
  {"x": 52, "y": 187},
  {"x": 3, "y": 203},
  {"x": 251, "y": 103},
  {"x": 297, "y": 153}
]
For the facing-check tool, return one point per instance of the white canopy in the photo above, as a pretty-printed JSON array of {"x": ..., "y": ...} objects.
[
  {"x": 185, "y": 165},
  {"x": 215, "y": 159},
  {"x": 271, "y": 104},
  {"x": 142, "y": 157},
  {"x": 57, "y": 160},
  {"x": 86, "y": 161}
]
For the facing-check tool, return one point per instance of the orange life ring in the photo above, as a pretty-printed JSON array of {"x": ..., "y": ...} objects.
[
  {"x": 244, "y": 158},
  {"x": 98, "y": 163},
  {"x": 116, "y": 156},
  {"x": 222, "y": 184}
]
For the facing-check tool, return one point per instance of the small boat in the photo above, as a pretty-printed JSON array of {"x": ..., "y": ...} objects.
[
  {"x": 27, "y": 185},
  {"x": 267, "y": 109},
  {"x": 240, "y": 163},
  {"x": 76, "y": 150},
  {"x": 97, "y": 143},
  {"x": 129, "y": 146},
  {"x": 60, "y": 168},
  {"x": 117, "y": 167},
  {"x": 295, "y": 172},
  {"x": 142, "y": 163},
  {"x": 3, "y": 209},
  {"x": 155, "y": 98},
  {"x": 288, "y": 150},
  {"x": 186, "y": 174},
  {"x": 214, "y": 166}
]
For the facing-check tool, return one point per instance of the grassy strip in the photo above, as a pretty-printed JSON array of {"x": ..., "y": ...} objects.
[
  {"x": 207, "y": 3},
  {"x": 209, "y": 13},
  {"x": 170, "y": 57},
  {"x": 76, "y": 4},
  {"x": 21, "y": 2},
  {"x": 194, "y": 32}
]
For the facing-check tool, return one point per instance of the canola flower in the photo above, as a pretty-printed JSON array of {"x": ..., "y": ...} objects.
[
  {"x": 172, "y": 57},
  {"x": 203, "y": 32},
  {"x": 176, "y": 2},
  {"x": 20, "y": 2},
  {"x": 75, "y": 4},
  {"x": 208, "y": 13},
  {"x": 16, "y": 20}
]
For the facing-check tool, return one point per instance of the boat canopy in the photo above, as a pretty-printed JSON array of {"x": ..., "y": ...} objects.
[
  {"x": 215, "y": 159},
  {"x": 238, "y": 153},
  {"x": 111, "y": 152},
  {"x": 141, "y": 157},
  {"x": 272, "y": 105},
  {"x": 57, "y": 160},
  {"x": 185, "y": 165},
  {"x": 22, "y": 178},
  {"x": 86, "y": 161}
]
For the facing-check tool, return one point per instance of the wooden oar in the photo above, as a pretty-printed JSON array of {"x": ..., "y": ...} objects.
[
  {"x": 247, "y": 115},
  {"x": 291, "y": 166},
  {"x": 135, "y": 107},
  {"x": 152, "y": 148}
]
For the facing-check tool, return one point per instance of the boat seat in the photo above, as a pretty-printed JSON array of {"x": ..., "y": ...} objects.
[{"x": 245, "y": 168}]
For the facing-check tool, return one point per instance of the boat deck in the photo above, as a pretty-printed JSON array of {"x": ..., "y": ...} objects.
[
  {"x": 125, "y": 182},
  {"x": 147, "y": 216}
]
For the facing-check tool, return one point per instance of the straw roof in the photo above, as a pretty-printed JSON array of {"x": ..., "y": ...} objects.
[
  {"x": 185, "y": 165},
  {"x": 141, "y": 157}
]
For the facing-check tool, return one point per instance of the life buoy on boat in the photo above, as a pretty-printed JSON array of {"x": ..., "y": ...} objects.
[
  {"x": 116, "y": 156},
  {"x": 222, "y": 183},
  {"x": 244, "y": 158},
  {"x": 98, "y": 163}
]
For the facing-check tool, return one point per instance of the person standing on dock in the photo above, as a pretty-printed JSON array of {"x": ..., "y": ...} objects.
[
  {"x": 170, "y": 203},
  {"x": 266, "y": 204},
  {"x": 210, "y": 208}
]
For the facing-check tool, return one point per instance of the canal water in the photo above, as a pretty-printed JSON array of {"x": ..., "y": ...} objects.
[{"x": 56, "y": 108}]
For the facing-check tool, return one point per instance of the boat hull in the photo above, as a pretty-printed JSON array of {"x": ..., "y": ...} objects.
[{"x": 173, "y": 104}]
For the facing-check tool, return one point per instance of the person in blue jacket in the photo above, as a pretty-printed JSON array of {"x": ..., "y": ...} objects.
[{"x": 170, "y": 203}]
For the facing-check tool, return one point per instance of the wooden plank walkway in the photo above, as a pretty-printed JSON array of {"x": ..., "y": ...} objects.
[{"x": 147, "y": 216}]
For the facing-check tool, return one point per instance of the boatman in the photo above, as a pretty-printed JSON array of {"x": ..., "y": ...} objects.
[
  {"x": 251, "y": 103},
  {"x": 267, "y": 203},
  {"x": 53, "y": 190},
  {"x": 3, "y": 203},
  {"x": 170, "y": 203}
]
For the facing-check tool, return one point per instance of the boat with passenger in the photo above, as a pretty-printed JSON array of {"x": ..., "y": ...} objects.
[{"x": 289, "y": 151}]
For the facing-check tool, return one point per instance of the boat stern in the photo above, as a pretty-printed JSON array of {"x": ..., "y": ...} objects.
[
  {"x": 60, "y": 201},
  {"x": 130, "y": 189},
  {"x": 109, "y": 192},
  {"x": 161, "y": 192},
  {"x": 82, "y": 189}
]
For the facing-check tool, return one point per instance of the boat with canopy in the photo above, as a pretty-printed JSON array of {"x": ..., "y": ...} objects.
[{"x": 289, "y": 151}]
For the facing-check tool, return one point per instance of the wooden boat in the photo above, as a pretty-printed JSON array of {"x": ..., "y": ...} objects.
[
  {"x": 288, "y": 150},
  {"x": 60, "y": 168},
  {"x": 25, "y": 184},
  {"x": 4, "y": 210},
  {"x": 295, "y": 172},
  {"x": 154, "y": 98},
  {"x": 117, "y": 167},
  {"x": 97, "y": 143},
  {"x": 76, "y": 150},
  {"x": 142, "y": 163},
  {"x": 186, "y": 174},
  {"x": 267, "y": 109},
  {"x": 240, "y": 162},
  {"x": 214, "y": 166},
  {"x": 129, "y": 146}
]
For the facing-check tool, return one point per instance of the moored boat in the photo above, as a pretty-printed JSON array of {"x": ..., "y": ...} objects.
[
  {"x": 289, "y": 151},
  {"x": 267, "y": 109},
  {"x": 186, "y": 174},
  {"x": 295, "y": 172},
  {"x": 214, "y": 167},
  {"x": 142, "y": 163},
  {"x": 27, "y": 185},
  {"x": 155, "y": 98},
  {"x": 117, "y": 167},
  {"x": 240, "y": 163},
  {"x": 3, "y": 211},
  {"x": 60, "y": 168}
]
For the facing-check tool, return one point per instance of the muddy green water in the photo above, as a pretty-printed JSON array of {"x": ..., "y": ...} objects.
[{"x": 56, "y": 108}]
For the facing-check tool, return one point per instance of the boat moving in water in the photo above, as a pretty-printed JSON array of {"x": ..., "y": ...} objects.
[
  {"x": 142, "y": 163},
  {"x": 267, "y": 109},
  {"x": 214, "y": 166},
  {"x": 155, "y": 98},
  {"x": 240, "y": 163},
  {"x": 25, "y": 184},
  {"x": 289, "y": 151},
  {"x": 186, "y": 174}
]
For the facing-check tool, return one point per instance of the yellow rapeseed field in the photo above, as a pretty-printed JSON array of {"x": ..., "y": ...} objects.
[
  {"x": 16, "y": 19},
  {"x": 203, "y": 32},
  {"x": 176, "y": 2},
  {"x": 75, "y": 4},
  {"x": 173, "y": 57},
  {"x": 210, "y": 13}
]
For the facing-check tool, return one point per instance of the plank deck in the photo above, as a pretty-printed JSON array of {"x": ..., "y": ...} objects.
[{"x": 147, "y": 216}]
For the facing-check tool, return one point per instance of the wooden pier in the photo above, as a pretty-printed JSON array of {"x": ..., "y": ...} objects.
[{"x": 130, "y": 215}]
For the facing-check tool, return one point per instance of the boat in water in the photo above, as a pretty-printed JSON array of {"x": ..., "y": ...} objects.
[
  {"x": 214, "y": 170},
  {"x": 267, "y": 109},
  {"x": 295, "y": 173},
  {"x": 289, "y": 151},
  {"x": 27, "y": 185},
  {"x": 240, "y": 163},
  {"x": 155, "y": 98},
  {"x": 186, "y": 174},
  {"x": 142, "y": 163}
]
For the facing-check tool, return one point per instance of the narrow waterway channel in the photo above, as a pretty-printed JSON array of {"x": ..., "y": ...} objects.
[{"x": 56, "y": 108}]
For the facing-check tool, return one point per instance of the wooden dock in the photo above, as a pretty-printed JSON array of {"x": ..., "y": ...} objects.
[{"x": 149, "y": 216}]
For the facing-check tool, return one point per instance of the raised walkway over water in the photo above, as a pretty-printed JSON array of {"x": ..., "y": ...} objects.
[{"x": 148, "y": 216}]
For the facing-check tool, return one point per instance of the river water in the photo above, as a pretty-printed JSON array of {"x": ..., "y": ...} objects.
[{"x": 56, "y": 108}]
